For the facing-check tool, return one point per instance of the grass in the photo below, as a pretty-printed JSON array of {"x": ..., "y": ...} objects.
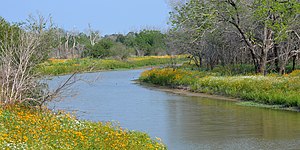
[
  {"x": 67, "y": 66},
  {"x": 271, "y": 90},
  {"x": 31, "y": 128},
  {"x": 253, "y": 104}
]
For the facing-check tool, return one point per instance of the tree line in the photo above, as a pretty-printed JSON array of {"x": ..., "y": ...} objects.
[
  {"x": 264, "y": 33},
  {"x": 75, "y": 44}
]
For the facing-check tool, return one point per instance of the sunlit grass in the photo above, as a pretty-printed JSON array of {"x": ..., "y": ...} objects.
[
  {"x": 65, "y": 66},
  {"x": 30, "y": 128},
  {"x": 273, "y": 89}
]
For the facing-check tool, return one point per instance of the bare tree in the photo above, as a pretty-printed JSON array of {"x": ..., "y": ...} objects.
[
  {"x": 21, "y": 51},
  {"x": 94, "y": 36},
  {"x": 18, "y": 78}
]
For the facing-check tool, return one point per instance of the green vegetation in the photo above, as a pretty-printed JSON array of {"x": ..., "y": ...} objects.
[
  {"x": 254, "y": 104},
  {"x": 143, "y": 43},
  {"x": 263, "y": 33},
  {"x": 271, "y": 89},
  {"x": 244, "y": 37},
  {"x": 30, "y": 128},
  {"x": 65, "y": 66},
  {"x": 24, "y": 48}
]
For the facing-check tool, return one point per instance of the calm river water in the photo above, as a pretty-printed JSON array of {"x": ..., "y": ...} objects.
[{"x": 182, "y": 122}]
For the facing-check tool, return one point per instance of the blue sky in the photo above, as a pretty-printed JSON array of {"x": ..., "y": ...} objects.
[{"x": 107, "y": 16}]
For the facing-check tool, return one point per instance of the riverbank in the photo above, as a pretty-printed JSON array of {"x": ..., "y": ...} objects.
[
  {"x": 278, "y": 92},
  {"x": 68, "y": 66},
  {"x": 31, "y": 128},
  {"x": 184, "y": 91}
]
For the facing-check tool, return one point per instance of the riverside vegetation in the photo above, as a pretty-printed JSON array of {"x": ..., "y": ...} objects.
[
  {"x": 263, "y": 33},
  {"x": 30, "y": 128},
  {"x": 65, "y": 66},
  {"x": 272, "y": 89},
  {"x": 25, "y": 123}
]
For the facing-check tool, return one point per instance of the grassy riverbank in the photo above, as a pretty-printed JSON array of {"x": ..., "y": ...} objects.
[
  {"x": 271, "y": 90},
  {"x": 66, "y": 66},
  {"x": 29, "y": 128}
]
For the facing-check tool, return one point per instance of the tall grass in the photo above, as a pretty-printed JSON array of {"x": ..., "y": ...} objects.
[
  {"x": 272, "y": 89},
  {"x": 28, "y": 128},
  {"x": 65, "y": 66}
]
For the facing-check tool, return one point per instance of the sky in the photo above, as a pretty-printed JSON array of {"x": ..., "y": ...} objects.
[{"x": 107, "y": 16}]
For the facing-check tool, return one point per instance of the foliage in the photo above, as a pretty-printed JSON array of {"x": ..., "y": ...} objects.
[
  {"x": 195, "y": 17},
  {"x": 151, "y": 42},
  {"x": 108, "y": 48},
  {"x": 277, "y": 15},
  {"x": 259, "y": 32},
  {"x": 120, "y": 51},
  {"x": 65, "y": 66},
  {"x": 100, "y": 49},
  {"x": 31, "y": 128},
  {"x": 42, "y": 26},
  {"x": 143, "y": 43},
  {"x": 8, "y": 30},
  {"x": 20, "y": 54},
  {"x": 279, "y": 90}
]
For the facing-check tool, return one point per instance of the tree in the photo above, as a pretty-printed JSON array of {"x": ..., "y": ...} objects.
[
  {"x": 262, "y": 25},
  {"x": 100, "y": 49},
  {"x": 93, "y": 35},
  {"x": 192, "y": 21},
  {"x": 8, "y": 31},
  {"x": 22, "y": 50},
  {"x": 151, "y": 42},
  {"x": 270, "y": 18}
]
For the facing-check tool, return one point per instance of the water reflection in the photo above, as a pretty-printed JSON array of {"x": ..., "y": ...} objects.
[
  {"x": 206, "y": 123},
  {"x": 182, "y": 122}
]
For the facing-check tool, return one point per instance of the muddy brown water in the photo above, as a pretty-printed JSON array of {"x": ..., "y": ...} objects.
[{"x": 182, "y": 122}]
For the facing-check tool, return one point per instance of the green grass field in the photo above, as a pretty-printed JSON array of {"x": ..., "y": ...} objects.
[{"x": 272, "y": 89}]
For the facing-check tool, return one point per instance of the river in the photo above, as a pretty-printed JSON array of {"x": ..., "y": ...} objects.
[{"x": 182, "y": 122}]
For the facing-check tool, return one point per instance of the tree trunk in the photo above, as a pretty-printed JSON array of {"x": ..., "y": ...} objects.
[
  {"x": 263, "y": 63},
  {"x": 294, "y": 62},
  {"x": 276, "y": 55},
  {"x": 282, "y": 69},
  {"x": 268, "y": 44}
]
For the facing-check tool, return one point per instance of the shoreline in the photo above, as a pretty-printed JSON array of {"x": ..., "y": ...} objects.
[
  {"x": 104, "y": 70},
  {"x": 183, "y": 91},
  {"x": 89, "y": 65}
]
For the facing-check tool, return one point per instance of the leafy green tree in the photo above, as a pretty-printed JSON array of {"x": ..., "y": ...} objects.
[
  {"x": 151, "y": 42},
  {"x": 100, "y": 49},
  {"x": 191, "y": 22},
  {"x": 120, "y": 51}
]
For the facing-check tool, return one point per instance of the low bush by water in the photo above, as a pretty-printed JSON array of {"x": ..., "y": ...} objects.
[
  {"x": 30, "y": 128},
  {"x": 273, "y": 89}
]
